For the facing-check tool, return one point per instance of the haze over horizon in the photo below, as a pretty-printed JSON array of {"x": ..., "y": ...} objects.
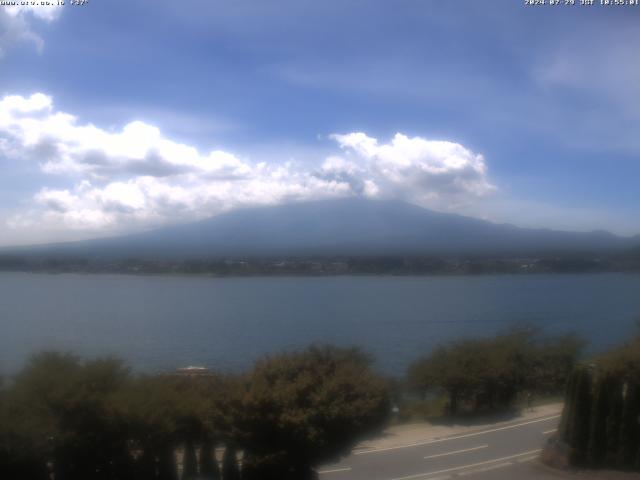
[{"x": 109, "y": 126}]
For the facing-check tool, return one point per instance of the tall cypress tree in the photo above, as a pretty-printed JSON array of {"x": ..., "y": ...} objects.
[
  {"x": 598, "y": 425},
  {"x": 613, "y": 422},
  {"x": 566, "y": 422},
  {"x": 628, "y": 426},
  {"x": 579, "y": 439}
]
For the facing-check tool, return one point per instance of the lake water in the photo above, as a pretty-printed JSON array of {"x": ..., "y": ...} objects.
[{"x": 158, "y": 323}]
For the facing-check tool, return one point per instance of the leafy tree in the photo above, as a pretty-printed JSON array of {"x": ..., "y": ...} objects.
[
  {"x": 63, "y": 408},
  {"x": 481, "y": 373},
  {"x": 21, "y": 455},
  {"x": 93, "y": 420},
  {"x": 448, "y": 368},
  {"x": 301, "y": 409},
  {"x": 164, "y": 412},
  {"x": 150, "y": 406},
  {"x": 553, "y": 360},
  {"x": 489, "y": 373}
]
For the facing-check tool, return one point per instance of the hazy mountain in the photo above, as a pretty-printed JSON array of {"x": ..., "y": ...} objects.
[{"x": 344, "y": 227}]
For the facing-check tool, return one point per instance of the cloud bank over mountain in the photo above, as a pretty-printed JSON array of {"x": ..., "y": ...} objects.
[{"x": 134, "y": 177}]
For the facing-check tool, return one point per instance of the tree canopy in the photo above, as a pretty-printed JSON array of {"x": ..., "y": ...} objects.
[
  {"x": 488, "y": 373},
  {"x": 300, "y": 409},
  {"x": 95, "y": 420}
]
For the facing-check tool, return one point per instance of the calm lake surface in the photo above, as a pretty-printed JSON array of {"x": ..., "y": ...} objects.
[{"x": 158, "y": 323}]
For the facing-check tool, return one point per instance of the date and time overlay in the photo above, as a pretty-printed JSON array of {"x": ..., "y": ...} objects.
[
  {"x": 43, "y": 3},
  {"x": 527, "y": 3}
]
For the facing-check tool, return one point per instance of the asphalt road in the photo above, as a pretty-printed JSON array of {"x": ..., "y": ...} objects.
[{"x": 501, "y": 452}]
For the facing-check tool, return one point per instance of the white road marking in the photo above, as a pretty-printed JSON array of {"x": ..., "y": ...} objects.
[
  {"x": 464, "y": 467},
  {"x": 334, "y": 470},
  {"x": 429, "y": 442},
  {"x": 485, "y": 469},
  {"x": 527, "y": 459},
  {"x": 547, "y": 432},
  {"x": 456, "y": 451}
]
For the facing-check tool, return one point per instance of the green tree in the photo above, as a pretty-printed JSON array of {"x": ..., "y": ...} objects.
[
  {"x": 22, "y": 447},
  {"x": 63, "y": 407},
  {"x": 553, "y": 360},
  {"x": 475, "y": 373},
  {"x": 298, "y": 410},
  {"x": 490, "y": 373},
  {"x": 165, "y": 412}
]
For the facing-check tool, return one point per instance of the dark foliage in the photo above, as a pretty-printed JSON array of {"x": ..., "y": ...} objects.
[
  {"x": 93, "y": 420},
  {"x": 490, "y": 373},
  {"x": 230, "y": 469},
  {"x": 209, "y": 469},
  {"x": 601, "y": 420},
  {"x": 300, "y": 409}
]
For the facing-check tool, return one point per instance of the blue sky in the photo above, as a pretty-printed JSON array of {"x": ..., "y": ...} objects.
[{"x": 119, "y": 116}]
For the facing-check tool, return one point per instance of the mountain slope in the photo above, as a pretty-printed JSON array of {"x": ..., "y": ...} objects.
[{"x": 343, "y": 227}]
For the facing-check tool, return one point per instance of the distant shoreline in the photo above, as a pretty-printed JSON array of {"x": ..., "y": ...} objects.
[{"x": 321, "y": 267}]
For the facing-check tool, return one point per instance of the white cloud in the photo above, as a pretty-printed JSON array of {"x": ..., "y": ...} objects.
[
  {"x": 62, "y": 146},
  {"x": 15, "y": 25},
  {"x": 135, "y": 177},
  {"x": 43, "y": 12},
  {"x": 421, "y": 170}
]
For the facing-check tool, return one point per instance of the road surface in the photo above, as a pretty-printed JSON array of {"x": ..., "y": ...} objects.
[{"x": 503, "y": 451}]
